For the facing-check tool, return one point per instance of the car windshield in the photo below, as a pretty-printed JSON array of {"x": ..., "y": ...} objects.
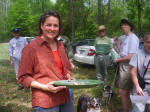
[
  {"x": 91, "y": 42},
  {"x": 32, "y": 38},
  {"x": 87, "y": 42},
  {"x": 29, "y": 39}
]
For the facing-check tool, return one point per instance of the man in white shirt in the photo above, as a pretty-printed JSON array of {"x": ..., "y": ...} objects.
[
  {"x": 128, "y": 47},
  {"x": 16, "y": 44},
  {"x": 140, "y": 63}
]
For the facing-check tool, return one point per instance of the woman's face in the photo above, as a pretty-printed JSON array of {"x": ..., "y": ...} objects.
[
  {"x": 125, "y": 28},
  {"x": 50, "y": 27}
]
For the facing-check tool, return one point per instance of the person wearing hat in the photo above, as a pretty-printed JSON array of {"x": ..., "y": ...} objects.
[
  {"x": 128, "y": 46},
  {"x": 102, "y": 58},
  {"x": 16, "y": 44}
]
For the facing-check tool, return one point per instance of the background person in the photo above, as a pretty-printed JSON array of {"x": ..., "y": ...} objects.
[
  {"x": 15, "y": 50},
  {"x": 48, "y": 63},
  {"x": 128, "y": 47},
  {"x": 139, "y": 64},
  {"x": 67, "y": 44},
  {"x": 102, "y": 45}
]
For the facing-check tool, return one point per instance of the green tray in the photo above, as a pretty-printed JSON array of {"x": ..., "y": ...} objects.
[{"x": 78, "y": 83}]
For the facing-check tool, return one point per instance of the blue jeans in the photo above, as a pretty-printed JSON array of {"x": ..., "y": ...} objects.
[
  {"x": 16, "y": 66},
  {"x": 71, "y": 94},
  {"x": 67, "y": 107}
]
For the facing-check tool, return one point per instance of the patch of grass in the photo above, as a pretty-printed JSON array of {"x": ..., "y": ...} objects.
[{"x": 13, "y": 100}]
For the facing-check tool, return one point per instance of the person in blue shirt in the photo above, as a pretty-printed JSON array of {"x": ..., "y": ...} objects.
[{"x": 16, "y": 44}]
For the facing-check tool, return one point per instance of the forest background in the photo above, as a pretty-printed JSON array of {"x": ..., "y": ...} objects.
[{"x": 80, "y": 18}]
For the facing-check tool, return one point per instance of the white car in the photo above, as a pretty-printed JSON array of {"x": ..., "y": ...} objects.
[
  {"x": 29, "y": 39},
  {"x": 85, "y": 51}
]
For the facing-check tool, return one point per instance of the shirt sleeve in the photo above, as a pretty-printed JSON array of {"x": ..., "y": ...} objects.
[
  {"x": 26, "y": 66},
  {"x": 10, "y": 49},
  {"x": 134, "y": 60}
]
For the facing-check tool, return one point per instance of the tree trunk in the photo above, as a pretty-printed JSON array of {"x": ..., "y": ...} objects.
[
  {"x": 139, "y": 17},
  {"x": 43, "y": 5},
  {"x": 99, "y": 12},
  {"x": 108, "y": 15},
  {"x": 72, "y": 20},
  {"x": 86, "y": 18},
  {"x": 4, "y": 9}
]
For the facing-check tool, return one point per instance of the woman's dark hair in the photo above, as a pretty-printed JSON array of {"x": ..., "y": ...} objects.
[
  {"x": 45, "y": 16},
  {"x": 126, "y": 21}
]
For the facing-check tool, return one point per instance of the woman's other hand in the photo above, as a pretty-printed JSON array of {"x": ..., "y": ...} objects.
[
  {"x": 117, "y": 42},
  {"x": 11, "y": 63},
  {"x": 139, "y": 91},
  {"x": 116, "y": 39},
  {"x": 69, "y": 77}
]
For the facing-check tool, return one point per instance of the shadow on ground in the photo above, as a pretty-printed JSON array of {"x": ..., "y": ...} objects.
[
  {"x": 12, "y": 107},
  {"x": 4, "y": 62}
]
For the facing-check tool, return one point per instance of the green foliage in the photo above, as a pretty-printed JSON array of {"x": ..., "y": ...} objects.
[
  {"x": 18, "y": 16},
  {"x": 146, "y": 16},
  {"x": 118, "y": 12},
  {"x": 132, "y": 6},
  {"x": 25, "y": 14},
  {"x": 62, "y": 6}
]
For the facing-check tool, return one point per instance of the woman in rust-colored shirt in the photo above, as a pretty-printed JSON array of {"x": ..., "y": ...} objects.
[{"x": 42, "y": 63}]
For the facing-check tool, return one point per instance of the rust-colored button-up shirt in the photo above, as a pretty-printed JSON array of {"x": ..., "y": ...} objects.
[{"x": 38, "y": 63}]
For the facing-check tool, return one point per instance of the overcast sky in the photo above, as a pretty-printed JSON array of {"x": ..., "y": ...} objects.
[{"x": 53, "y": 1}]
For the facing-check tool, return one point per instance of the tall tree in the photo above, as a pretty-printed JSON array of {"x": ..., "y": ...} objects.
[
  {"x": 4, "y": 5},
  {"x": 99, "y": 12},
  {"x": 72, "y": 19},
  {"x": 108, "y": 13},
  {"x": 139, "y": 17}
]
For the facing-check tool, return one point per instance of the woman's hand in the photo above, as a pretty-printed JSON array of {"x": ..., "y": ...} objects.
[
  {"x": 117, "y": 42},
  {"x": 139, "y": 91},
  {"x": 116, "y": 60},
  {"x": 116, "y": 39},
  {"x": 51, "y": 88},
  {"x": 69, "y": 77},
  {"x": 11, "y": 63},
  {"x": 47, "y": 87}
]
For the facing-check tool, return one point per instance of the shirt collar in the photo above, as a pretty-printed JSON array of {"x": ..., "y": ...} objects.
[
  {"x": 103, "y": 37},
  {"x": 40, "y": 41},
  {"x": 43, "y": 42},
  {"x": 17, "y": 38}
]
